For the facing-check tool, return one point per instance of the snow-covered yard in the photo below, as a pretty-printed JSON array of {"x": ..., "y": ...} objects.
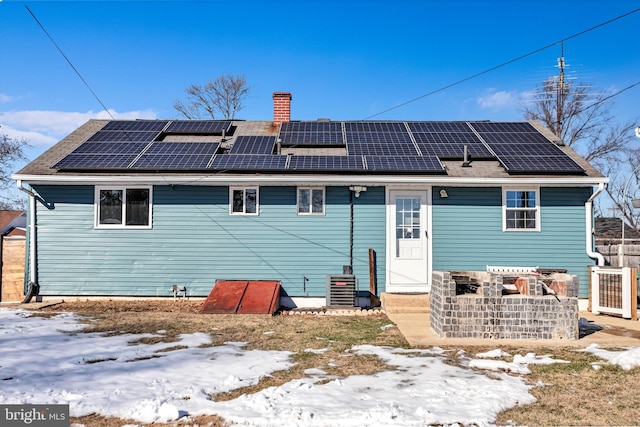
[{"x": 49, "y": 361}]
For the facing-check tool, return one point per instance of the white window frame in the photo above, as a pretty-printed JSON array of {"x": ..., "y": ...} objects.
[
  {"x": 536, "y": 209},
  {"x": 244, "y": 200},
  {"x": 311, "y": 190},
  {"x": 124, "y": 189}
]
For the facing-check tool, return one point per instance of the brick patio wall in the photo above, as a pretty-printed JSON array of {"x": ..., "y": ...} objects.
[{"x": 490, "y": 314}]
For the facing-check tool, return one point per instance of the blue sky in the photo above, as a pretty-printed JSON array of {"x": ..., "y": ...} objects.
[{"x": 345, "y": 60}]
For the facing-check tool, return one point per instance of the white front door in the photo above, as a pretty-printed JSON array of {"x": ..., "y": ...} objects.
[{"x": 407, "y": 239}]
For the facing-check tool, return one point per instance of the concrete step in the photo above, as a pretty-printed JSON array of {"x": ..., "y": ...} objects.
[{"x": 405, "y": 303}]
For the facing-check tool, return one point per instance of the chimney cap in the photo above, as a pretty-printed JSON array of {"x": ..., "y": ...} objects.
[{"x": 282, "y": 95}]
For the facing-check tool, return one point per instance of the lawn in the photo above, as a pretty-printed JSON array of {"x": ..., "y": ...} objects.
[{"x": 568, "y": 394}]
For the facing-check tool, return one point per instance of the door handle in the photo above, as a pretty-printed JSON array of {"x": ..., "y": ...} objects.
[{"x": 426, "y": 234}]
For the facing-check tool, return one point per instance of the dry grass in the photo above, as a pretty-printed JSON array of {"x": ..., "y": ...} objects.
[
  {"x": 573, "y": 394},
  {"x": 578, "y": 394},
  {"x": 285, "y": 333}
]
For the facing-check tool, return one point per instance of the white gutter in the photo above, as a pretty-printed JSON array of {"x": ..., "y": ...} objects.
[
  {"x": 588, "y": 208},
  {"x": 306, "y": 179},
  {"x": 32, "y": 231}
]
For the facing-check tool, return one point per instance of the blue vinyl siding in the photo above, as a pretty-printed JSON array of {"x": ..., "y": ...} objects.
[
  {"x": 369, "y": 232},
  {"x": 467, "y": 232},
  {"x": 195, "y": 241}
]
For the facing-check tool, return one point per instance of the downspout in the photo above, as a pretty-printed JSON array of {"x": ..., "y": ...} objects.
[
  {"x": 588, "y": 207},
  {"x": 33, "y": 278}
]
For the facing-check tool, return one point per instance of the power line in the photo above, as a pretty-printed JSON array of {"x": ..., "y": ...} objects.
[
  {"x": 69, "y": 62},
  {"x": 600, "y": 101},
  {"x": 511, "y": 61}
]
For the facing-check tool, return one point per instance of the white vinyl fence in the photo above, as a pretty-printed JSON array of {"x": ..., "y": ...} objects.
[{"x": 613, "y": 290}]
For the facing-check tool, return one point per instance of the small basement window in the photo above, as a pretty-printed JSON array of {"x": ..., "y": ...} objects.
[
  {"x": 310, "y": 201},
  {"x": 521, "y": 210},
  {"x": 123, "y": 207},
  {"x": 243, "y": 201}
]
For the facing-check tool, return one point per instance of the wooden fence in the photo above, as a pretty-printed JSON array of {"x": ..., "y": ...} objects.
[
  {"x": 612, "y": 252},
  {"x": 12, "y": 253}
]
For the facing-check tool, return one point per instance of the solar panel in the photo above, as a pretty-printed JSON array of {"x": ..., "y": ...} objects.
[
  {"x": 311, "y": 133},
  {"x": 214, "y": 127},
  {"x": 381, "y": 149},
  {"x": 95, "y": 161},
  {"x": 136, "y": 125},
  {"x": 379, "y": 139},
  {"x": 172, "y": 161},
  {"x": 180, "y": 148},
  {"x": 110, "y": 148},
  {"x": 514, "y": 138},
  {"x": 455, "y": 150},
  {"x": 446, "y": 138},
  {"x": 248, "y": 162},
  {"x": 527, "y": 150},
  {"x": 375, "y": 127},
  {"x": 253, "y": 145},
  {"x": 439, "y": 127},
  {"x": 548, "y": 164},
  {"x": 326, "y": 163},
  {"x": 503, "y": 127},
  {"x": 416, "y": 164},
  {"x": 122, "y": 136}
]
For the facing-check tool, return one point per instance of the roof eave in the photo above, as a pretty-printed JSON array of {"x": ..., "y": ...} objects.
[{"x": 297, "y": 179}]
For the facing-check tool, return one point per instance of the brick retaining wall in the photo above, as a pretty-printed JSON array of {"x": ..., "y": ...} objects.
[{"x": 490, "y": 314}]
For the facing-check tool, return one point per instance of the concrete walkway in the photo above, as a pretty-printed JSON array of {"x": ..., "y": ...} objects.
[{"x": 410, "y": 313}]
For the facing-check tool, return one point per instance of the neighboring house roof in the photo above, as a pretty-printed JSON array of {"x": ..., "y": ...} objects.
[
  {"x": 367, "y": 152},
  {"x": 609, "y": 230},
  {"x": 12, "y": 222}
]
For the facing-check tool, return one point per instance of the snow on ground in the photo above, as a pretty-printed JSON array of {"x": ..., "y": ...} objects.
[{"x": 48, "y": 360}]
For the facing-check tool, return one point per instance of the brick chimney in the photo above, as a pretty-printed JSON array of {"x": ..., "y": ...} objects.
[{"x": 281, "y": 107}]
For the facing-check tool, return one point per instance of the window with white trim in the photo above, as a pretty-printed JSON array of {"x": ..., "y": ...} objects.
[
  {"x": 310, "y": 201},
  {"x": 521, "y": 210},
  {"x": 243, "y": 201},
  {"x": 123, "y": 207}
]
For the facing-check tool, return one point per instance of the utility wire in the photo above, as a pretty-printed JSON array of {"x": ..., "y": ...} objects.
[
  {"x": 69, "y": 62},
  {"x": 504, "y": 64},
  {"x": 600, "y": 101}
]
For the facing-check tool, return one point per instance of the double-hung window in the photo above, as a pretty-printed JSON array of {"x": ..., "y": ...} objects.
[
  {"x": 310, "y": 201},
  {"x": 243, "y": 201},
  {"x": 123, "y": 207},
  {"x": 521, "y": 210}
]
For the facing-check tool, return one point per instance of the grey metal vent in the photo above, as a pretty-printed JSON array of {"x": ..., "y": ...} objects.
[{"x": 341, "y": 290}]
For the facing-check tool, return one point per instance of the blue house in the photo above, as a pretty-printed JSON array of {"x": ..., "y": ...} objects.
[{"x": 131, "y": 208}]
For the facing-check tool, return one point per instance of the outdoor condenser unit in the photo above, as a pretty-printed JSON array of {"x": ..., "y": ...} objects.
[{"x": 341, "y": 290}]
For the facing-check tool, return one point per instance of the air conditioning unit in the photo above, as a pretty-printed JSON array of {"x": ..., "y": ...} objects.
[{"x": 341, "y": 290}]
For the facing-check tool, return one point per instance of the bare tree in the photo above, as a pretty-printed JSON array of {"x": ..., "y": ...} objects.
[
  {"x": 222, "y": 97},
  {"x": 11, "y": 152},
  {"x": 583, "y": 119}
]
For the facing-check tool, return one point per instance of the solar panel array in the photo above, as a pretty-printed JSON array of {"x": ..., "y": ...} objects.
[
  {"x": 325, "y": 163},
  {"x": 370, "y": 147},
  {"x": 249, "y": 162},
  {"x": 379, "y": 139},
  {"x": 177, "y": 155},
  {"x": 521, "y": 149},
  {"x": 447, "y": 140},
  {"x": 211, "y": 127},
  {"x": 253, "y": 145},
  {"x": 311, "y": 133}
]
